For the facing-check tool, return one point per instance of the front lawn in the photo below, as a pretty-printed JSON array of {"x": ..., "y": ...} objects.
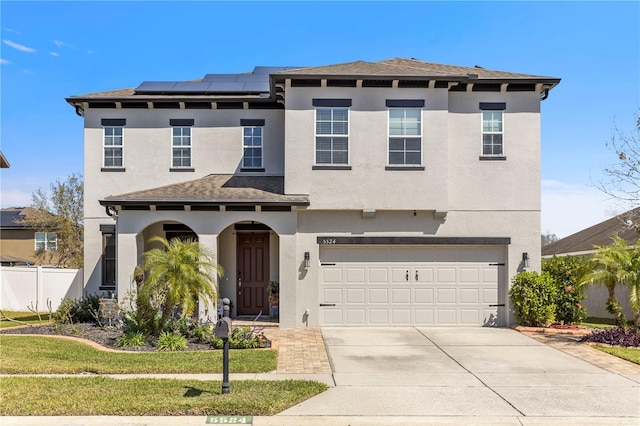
[
  {"x": 102, "y": 396},
  {"x": 28, "y": 317},
  {"x": 630, "y": 354},
  {"x": 600, "y": 323},
  {"x": 45, "y": 355}
]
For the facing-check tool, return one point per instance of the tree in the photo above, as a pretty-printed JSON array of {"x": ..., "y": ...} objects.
[
  {"x": 61, "y": 211},
  {"x": 608, "y": 266},
  {"x": 176, "y": 277},
  {"x": 630, "y": 275},
  {"x": 548, "y": 238},
  {"x": 622, "y": 179}
]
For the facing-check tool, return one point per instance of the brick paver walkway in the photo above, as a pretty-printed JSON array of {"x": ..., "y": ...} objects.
[
  {"x": 300, "y": 350},
  {"x": 570, "y": 345}
]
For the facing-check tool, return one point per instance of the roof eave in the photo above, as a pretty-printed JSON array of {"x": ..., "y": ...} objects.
[{"x": 173, "y": 202}]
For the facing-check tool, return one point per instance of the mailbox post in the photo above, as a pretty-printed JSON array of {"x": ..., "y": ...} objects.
[{"x": 223, "y": 328}]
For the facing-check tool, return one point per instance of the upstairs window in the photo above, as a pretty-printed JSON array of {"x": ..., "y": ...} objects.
[
  {"x": 252, "y": 148},
  {"x": 405, "y": 136},
  {"x": 113, "y": 147},
  {"x": 46, "y": 241},
  {"x": 492, "y": 133},
  {"x": 181, "y": 147},
  {"x": 332, "y": 136}
]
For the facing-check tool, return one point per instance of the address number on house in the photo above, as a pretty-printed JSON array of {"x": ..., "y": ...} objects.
[{"x": 328, "y": 241}]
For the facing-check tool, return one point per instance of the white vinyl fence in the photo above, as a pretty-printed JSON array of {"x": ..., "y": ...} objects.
[{"x": 31, "y": 287}]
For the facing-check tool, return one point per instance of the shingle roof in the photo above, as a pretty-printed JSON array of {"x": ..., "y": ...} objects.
[
  {"x": 600, "y": 234},
  {"x": 11, "y": 218},
  {"x": 214, "y": 189},
  {"x": 396, "y": 67},
  {"x": 406, "y": 67}
]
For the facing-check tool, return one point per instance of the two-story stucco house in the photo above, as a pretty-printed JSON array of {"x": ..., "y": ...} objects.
[{"x": 386, "y": 193}]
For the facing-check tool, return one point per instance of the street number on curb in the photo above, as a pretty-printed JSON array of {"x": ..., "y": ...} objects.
[{"x": 229, "y": 420}]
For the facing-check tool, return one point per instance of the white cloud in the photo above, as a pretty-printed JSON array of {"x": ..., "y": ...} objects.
[
  {"x": 569, "y": 207},
  {"x": 10, "y": 30},
  {"x": 58, "y": 42},
  {"x": 54, "y": 54},
  {"x": 19, "y": 47},
  {"x": 4, "y": 61}
]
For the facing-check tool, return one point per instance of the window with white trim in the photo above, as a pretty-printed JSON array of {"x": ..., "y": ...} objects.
[
  {"x": 332, "y": 135},
  {"x": 181, "y": 147},
  {"x": 252, "y": 147},
  {"x": 46, "y": 241},
  {"x": 113, "y": 147},
  {"x": 405, "y": 136},
  {"x": 492, "y": 132}
]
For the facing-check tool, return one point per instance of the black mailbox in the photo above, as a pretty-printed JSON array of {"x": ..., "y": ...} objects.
[{"x": 223, "y": 327}]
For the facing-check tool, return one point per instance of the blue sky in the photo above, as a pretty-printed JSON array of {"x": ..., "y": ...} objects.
[{"x": 51, "y": 50}]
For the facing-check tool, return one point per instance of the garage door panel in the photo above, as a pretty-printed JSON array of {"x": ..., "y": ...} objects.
[
  {"x": 403, "y": 286},
  {"x": 446, "y": 275},
  {"x": 355, "y": 295},
  {"x": 331, "y": 295},
  {"x": 378, "y": 316},
  {"x": 446, "y": 295},
  {"x": 378, "y": 295},
  {"x": 400, "y": 295},
  {"x": 423, "y": 316},
  {"x": 423, "y": 295},
  {"x": 355, "y": 316},
  {"x": 378, "y": 275},
  {"x": 332, "y": 275},
  {"x": 355, "y": 275},
  {"x": 469, "y": 275},
  {"x": 400, "y": 316},
  {"x": 469, "y": 296}
]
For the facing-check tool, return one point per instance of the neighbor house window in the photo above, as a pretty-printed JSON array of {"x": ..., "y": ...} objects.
[
  {"x": 252, "y": 148},
  {"x": 181, "y": 147},
  {"x": 332, "y": 135},
  {"x": 492, "y": 133},
  {"x": 46, "y": 241},
  {"x": 113, "y": 147},
  {"x": 108, "y": 260},
  {"x": 405, "y": 136}
]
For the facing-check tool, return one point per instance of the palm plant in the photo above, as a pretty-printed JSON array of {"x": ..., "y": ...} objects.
[
  {"x": 608, "y": 268},
  {"x": 630, "y": 275},
  {"x": 177, "y": 276}
]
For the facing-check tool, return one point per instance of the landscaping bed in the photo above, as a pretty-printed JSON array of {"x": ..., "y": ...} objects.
[{"x": 103, "y": 336}]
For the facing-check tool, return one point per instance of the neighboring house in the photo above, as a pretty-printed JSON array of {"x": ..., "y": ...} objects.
[
  {"x": 4, "y": 164},
  {"x": 396, "y": 192},
  {"x": 19, "y": 243},
  {"x": 582, "y": 244}
]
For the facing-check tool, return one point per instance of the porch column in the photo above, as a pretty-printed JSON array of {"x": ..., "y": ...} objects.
[
  {"x": 289, "y": 315},
  {"x": 208, "y": 310},
  {"x": 127, "y": 259}
]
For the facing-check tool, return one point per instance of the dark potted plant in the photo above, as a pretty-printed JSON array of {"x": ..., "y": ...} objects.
[{"x": 274, "y": 298}]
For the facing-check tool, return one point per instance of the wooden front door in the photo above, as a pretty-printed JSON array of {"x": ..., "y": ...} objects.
[{"x": 253, "y": 273}]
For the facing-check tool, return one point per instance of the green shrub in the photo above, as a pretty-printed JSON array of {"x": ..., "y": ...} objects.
[
  {"x": 77, "y": 310},
  {"x": 131, "y": 339},
  {"x": 240, "y": 338},
  {"x": 171, "y": 342},
  {"x": 533, "y": 298},
  {"x": 203, "y": 333},
  {"x": 567, "y": 273}
]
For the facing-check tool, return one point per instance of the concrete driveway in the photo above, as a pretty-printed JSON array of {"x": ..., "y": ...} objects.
[{"x": 464, "y": 372}]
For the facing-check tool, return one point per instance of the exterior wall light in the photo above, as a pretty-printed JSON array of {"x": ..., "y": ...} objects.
[
  {"x": 307, "y": 258},
  {"x": 525, "y": 259}
]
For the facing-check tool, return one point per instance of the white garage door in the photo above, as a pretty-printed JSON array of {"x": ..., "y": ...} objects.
[{"x": 410, "y": 286}]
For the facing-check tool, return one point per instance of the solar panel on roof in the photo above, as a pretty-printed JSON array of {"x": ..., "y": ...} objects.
[
  {"x": 220, "y": 77},
  {"x": 257, "y": 87},
  {"x": 226, "y": 87},
  {"x": 191, "y": 86},
  {"x": 155, "y": 86}
]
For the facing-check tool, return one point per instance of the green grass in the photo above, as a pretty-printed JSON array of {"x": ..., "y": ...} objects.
[
  {"x": 601, "y": 323},
  {"x": 93, "y": 396},
  {"x": 45, "y": 355},
  {"x": 630, "y": 354},
  {"x": 28, "y": 317}
]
